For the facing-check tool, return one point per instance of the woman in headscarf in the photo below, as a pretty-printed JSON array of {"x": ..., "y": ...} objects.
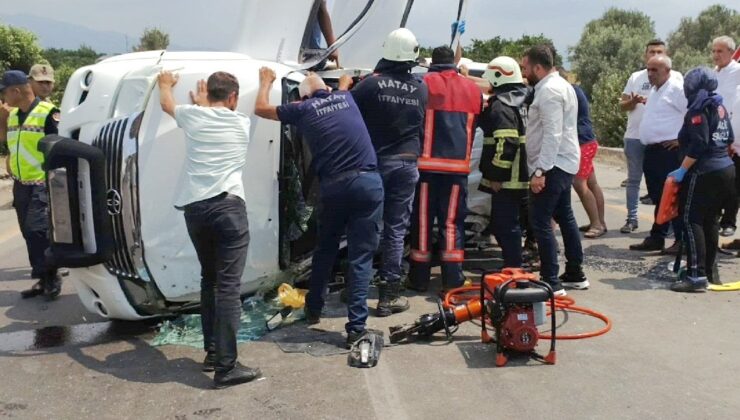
[{"x": 707, "y": 175}]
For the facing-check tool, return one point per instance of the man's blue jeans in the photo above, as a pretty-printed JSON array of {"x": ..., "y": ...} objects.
[
  {"x": 634, "y": 150},
  {"x": 554, "y": 203},
  {"x": 399, "y": 182},
  {"x": 351, "y": 204}
]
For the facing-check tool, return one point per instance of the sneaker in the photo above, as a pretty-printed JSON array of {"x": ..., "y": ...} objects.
[
  {"x": 312, "y": 318},
  {"x": 209, "y": 362},
  {"x": 239, "y": 374},
  {"x": 560, "y": 292},
  {"x": 574, "y": 280},
  {"x": 646, "y": 200},
  {"x": 690, "y": 285},
  {"x": 629, "y": 227},
  {"x": 390, "y": 300},
  {"x": 672, "y": 250},
  {"x": 728, "y": 231},
  {"x": 649, "y": 244}
]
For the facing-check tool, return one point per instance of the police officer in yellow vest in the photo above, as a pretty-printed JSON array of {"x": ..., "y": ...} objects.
[{"x": 29, "y": 121}]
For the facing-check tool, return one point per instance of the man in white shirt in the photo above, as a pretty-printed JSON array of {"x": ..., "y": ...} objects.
[
  {"x": 215, "y": 212},
  {"x": 661, "y": 121},
  {"x": 728, "y": 79},
  {"x": 633, "y": 101},
  {"x": 553, "y": 159}
]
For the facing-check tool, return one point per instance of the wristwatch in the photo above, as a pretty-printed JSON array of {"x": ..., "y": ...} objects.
[{"x": 538, "y": 173}]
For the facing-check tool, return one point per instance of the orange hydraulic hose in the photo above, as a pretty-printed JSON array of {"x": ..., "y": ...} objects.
[{"x": 465, "y": 302}]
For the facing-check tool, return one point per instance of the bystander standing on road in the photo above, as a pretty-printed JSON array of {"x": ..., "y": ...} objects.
[
  {"x": 661, "y": 122},
  {"x": 393, "y": 102},
  {"x": 585, "y": 183},
  {"x": 728, "y": 80},
  {"x": 553, "y": 159},
  {"x": 707, "y": 175},
  {"x": 735, "y": 122},
  {"x": 351, "y": 190},
  {"x": 215, "y": 211},
  {"x": 633, "y": 101},
  {"x": 28, "y": 119}
]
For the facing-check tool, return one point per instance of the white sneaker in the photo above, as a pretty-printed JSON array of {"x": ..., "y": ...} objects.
[
  {"x": 577, "y": 285},
  {"x": 560, "y": 293}
]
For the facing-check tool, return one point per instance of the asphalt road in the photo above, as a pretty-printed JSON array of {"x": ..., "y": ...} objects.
[{"x": 669, "y": 355}]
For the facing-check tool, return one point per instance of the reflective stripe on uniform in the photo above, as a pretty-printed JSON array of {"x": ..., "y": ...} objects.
[
  {"x": 444, "y": 165},
  {"x": 453, "y": 256},
  {"x": 26, "y": 160},
  {"x": 420, "y": 256},
  {"x": 506, "y": 132},
  {"x": 423, "y": 216},
  {"x": 450, "y": 223},
  {"x": 428, "y": 133}
]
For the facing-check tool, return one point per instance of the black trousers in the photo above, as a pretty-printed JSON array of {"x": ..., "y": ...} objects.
[
  {"x": 506, "y": 209},
  {"x": 729, "y": 216},
  {"x": 701, "y": 201},
  {"x": 220, "y": 233},
  {"x": 32, "y": 209},
  {"x": 656, "y": 166}
]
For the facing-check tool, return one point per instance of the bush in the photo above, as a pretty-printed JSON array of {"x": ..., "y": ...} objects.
[{"x": 609, "y": 120}]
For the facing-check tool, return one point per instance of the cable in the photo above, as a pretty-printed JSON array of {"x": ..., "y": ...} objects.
[{"x": 464, "y": 295}]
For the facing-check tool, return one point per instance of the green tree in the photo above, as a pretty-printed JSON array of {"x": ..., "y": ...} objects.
[
  {"x": 19, "y": 49},
  {"x": 608, "y": 119},
  {"x": 153, "y": 39},
  {"x": 691, "y": 42},
  {"x": 486, "y": 50},
  {"x": 615, "y": 42}
]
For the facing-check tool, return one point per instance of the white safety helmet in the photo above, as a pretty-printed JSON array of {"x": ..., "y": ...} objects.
[
  {"x": 401, "y": 45},
  {"x": 503, "y": 71}
]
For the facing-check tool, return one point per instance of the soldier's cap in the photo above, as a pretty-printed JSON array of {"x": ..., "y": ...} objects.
[
  {"x": 41, "y": 73},
  {"x": 13, "y": 78}
]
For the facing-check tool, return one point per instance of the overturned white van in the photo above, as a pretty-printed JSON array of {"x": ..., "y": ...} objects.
[{"x": 116, "y": 166}]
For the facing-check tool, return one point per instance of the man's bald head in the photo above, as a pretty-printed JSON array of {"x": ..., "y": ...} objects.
[
  {"x": 659, "y": 70},
  {"x": 311, "y": 84}
]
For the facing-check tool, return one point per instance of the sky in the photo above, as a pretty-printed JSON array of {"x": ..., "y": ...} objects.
[{"x": 200, "y": 24}]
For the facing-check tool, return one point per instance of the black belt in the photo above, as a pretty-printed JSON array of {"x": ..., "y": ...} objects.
[
  {"x": 656, "y": 145},
  {"x": 345, "y": 175}
]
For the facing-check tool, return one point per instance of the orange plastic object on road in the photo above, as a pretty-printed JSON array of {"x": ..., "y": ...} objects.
[{"x": 668, "y": 209}]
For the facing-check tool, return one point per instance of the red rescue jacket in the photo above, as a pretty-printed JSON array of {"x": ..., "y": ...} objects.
[{"x": 453, "y": 106}]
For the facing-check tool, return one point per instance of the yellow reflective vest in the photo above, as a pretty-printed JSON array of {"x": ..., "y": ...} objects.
[{"x": 25, "y": 159}]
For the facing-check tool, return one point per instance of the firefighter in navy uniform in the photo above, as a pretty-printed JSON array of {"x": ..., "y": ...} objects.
[
  {"x": 452, "y": 109},
  {"x": 707, "y": 177},
  {"x": 504, "y": 160},
  {"x": 28, "y": 122},
  {"x": 393, "y": 103}
]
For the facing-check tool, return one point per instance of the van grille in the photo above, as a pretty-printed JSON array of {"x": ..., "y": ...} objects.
[{"x": 110, "y": 140}]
